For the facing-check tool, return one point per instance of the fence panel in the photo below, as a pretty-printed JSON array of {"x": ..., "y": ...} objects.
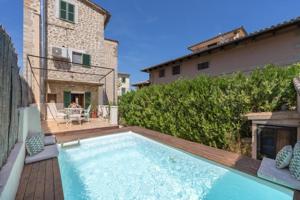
[
  {"x": 10, "y": 96},
  {"x": 2, "y": 148}
]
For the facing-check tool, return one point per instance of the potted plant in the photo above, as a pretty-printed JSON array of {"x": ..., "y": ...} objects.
[{"x": 94, "y": 112}]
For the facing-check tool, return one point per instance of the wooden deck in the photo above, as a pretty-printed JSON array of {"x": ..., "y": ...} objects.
[
  {"x": 41, "y": 180},
  {"x": 37, "y": 173},
  {"x": 55, "y": 128}
]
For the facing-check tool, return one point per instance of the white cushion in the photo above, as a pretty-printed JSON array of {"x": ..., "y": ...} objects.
[
  {"x": 49, "y": 152},
  {"x": 268, "y": 171},
  {"x": 49, "y": 140},
  {"x": 61, "y": 115}
]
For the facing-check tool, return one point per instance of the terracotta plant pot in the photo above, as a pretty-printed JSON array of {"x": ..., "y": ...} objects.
[{"x": 94, "y": 114}]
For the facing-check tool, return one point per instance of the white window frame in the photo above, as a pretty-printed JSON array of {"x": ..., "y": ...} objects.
[{"x": 71, "y": 50}]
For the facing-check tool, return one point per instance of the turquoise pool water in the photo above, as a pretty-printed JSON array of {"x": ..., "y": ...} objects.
[{"x": 129, "y": 166}]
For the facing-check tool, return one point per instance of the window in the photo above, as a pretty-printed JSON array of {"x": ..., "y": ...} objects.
[
  {"x": 161, "y": 73},
  {"x": 77, "y": 57},
  {"x": 81, "y": 58},
  {"x": 123, "y": 79},
  {"x": 86, "y": 59},
  {"x": 67, "y": 11},
  {"x": 51, "y": 98},
  {"x": 203, "y": 65},
  {"x": 123, "y": 91},
  {"x": 176, "y": 70}
]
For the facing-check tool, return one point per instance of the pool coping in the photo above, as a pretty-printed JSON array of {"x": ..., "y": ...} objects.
[{"x": 232, "y": 160}]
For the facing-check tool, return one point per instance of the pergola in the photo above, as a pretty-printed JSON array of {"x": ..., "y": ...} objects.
[{"x": 42, "y": 62}]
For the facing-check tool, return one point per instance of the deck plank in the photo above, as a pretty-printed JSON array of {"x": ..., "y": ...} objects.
[
  {"x": 23, "y": 182},
  {"x": 31, "y": 184},
  {"x": 58, "y": 189},
  {"x": 49, "y": 188},
  {"x": 297, "y": 195},
  {"x": 40, "y": 185}
]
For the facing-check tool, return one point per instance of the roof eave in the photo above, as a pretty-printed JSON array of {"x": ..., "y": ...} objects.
[
  {"x": 239, "y": 28},
  {"x": 99, "y": 9}
]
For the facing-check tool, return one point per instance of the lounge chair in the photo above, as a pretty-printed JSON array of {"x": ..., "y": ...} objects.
[
  {"x": 269, "y": 172},
  {"x": 54, "y": 113},
  {"x": 104, "y": 111},
  {"x": 86, "y": 114}
]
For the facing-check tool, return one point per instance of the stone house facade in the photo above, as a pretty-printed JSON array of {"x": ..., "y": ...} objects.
[
  {"x": 81, "y": 64},
  {"x": 278, "y": 44}
]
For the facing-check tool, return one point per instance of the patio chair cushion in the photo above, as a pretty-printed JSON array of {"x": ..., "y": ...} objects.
[
  {"x": 268, "y": 171},
  {"x": 284, "y": 157},
  {"x": 34, "y": 144},
  {"x": 49, "y": 152},
  {"x": 295, "y": 162},
  {"x": 49, "y": 140},
  {"x": 61, "y": 115}
]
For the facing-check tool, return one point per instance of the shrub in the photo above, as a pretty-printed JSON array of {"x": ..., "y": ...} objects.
[{"x": 210, "y": 110}]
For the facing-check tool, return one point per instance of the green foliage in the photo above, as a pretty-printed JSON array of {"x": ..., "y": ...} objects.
[{"x": 210, "y": 110}]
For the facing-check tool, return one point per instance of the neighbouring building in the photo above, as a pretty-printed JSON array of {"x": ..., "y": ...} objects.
[
  {"x": 124, "y": 83},
  {"x": 71, "y": 58},
  {"x": 141, "y": 84},
  {"x": 233, "y": 51}
]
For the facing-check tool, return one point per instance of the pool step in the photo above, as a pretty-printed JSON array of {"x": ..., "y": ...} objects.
[
  {"x": 82, "y": 153},
  {"x": 74, "y": 143}
]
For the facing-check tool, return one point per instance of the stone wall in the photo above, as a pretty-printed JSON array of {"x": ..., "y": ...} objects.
[
  {"x": 58, "y": 88},
  {"x": 31, "y": 46},
  {"x": 86, "y": 35},
  {"x": 111, "y": 60}
]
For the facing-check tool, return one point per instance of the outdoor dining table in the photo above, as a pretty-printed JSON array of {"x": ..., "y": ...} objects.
[{"x": 73, "y": 114}]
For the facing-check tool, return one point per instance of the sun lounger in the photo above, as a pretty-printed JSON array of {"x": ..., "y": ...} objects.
[
  {"x": 49, "y": 152},
  {"x": 55, "y": 114},
  {"x": 269, "y": 172}
]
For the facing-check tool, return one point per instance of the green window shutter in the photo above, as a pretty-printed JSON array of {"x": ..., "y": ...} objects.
[
  {"x": 71, "y": 12},
  {"x": 63, "y": 10},
  {"x": 86, "y": 60},
  {"x": 87, "y": 99},
  {"x": 67, "y": 98}
]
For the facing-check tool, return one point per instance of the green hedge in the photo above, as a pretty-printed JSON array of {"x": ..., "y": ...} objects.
[{"x": 210, "y": 110}]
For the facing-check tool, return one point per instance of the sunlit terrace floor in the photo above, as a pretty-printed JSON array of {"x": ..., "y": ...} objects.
[
  {"x": 42, "y": 180},
  {"x": 55, "y": 127}
]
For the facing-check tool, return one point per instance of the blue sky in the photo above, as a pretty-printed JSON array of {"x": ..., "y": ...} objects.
[{"x": 153, "y": 31}]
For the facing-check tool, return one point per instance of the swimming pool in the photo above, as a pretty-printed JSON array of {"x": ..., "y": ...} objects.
[{"x": 130, "y": 166}]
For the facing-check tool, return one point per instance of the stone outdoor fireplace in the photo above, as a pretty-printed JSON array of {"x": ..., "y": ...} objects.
[
  {"x": 273, "y": 130},
  {"x": 271, "y": 139}
]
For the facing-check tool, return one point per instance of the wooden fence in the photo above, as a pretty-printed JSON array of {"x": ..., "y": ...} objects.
[{"x": 12, "y": 96}]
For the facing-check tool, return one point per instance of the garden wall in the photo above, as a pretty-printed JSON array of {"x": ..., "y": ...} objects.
[{"x": 210, "y": 110}]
